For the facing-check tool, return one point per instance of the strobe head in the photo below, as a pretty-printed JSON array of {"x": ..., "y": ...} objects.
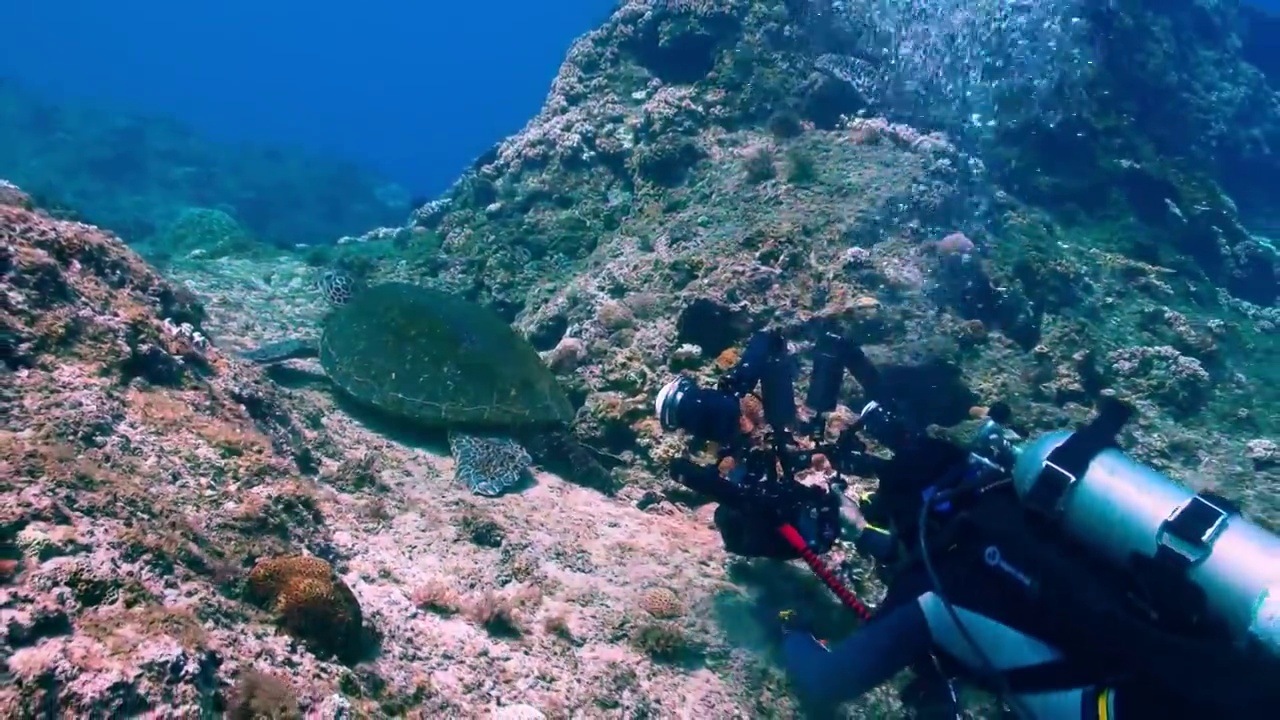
[
  {"x": 777, "y": 390},
  {"x": 703, "y": 413}
]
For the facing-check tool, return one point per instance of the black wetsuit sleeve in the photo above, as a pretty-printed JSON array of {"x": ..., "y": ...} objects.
[
  {"x": 879, "y": 545},
  {"x": 825, "y": 677}
]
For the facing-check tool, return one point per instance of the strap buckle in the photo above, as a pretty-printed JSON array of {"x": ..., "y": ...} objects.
[
  {"x": 1050, "y": 487},
  {"x": 1192, "y": 528}
]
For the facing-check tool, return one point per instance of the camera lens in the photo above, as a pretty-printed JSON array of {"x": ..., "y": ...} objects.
[
  {"x": 705, "y": 414},
  {"x": 669, "y": 397}
]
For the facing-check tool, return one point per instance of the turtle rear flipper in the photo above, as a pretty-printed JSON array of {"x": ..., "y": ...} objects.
[
  {"x": 282, "y": 350},
  {"x": 567, "y": 456},
  {"x": 488, "y": 465}
]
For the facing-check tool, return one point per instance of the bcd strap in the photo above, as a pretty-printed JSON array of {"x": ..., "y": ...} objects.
[
  {"x": 1069, "y": 461},
  {"x": 1187, "y": 536}
]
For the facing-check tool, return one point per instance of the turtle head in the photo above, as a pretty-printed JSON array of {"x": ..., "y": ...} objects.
[{"x": 338, "y": 287}]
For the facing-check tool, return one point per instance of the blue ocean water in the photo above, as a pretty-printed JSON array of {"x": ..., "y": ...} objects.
[{"x": 413, "y": 89}]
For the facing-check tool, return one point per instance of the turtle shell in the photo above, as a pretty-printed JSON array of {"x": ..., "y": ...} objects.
[{"x": 440, "y": 360}]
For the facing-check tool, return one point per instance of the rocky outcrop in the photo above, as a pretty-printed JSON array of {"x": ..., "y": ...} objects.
[{"x": 130, "y": 449}]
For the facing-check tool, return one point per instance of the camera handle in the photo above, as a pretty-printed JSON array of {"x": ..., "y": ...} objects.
[{"x": 824, "y": 573}]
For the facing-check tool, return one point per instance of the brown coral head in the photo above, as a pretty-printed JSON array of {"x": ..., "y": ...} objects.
[
  {"x": 661, "y": 602},
  {"x": 726, "y": 359},
  {"x": 311, "y": 603}
]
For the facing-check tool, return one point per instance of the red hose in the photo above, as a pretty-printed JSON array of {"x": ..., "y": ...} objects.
[{"x": 819, "y": 568}]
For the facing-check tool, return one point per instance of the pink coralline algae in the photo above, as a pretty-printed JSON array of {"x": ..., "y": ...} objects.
[{"x": 122, "y": 443}]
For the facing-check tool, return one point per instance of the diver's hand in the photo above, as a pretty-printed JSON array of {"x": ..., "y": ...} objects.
[
  {"x": 852, "y": 522},
  {"x": 819, "y": 521},
  {"x": 703, "y": 479}
]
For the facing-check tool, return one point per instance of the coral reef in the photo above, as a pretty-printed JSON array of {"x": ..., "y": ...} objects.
[
  {"x": 143, "y": 478},
  {"x": 1215, "y": 107},
  {"x": 136, "y": 174},
  {"x": 642, "y": 275},
  {"x": 198, "y": 232},
  {"x": 174, "y": 522},
  {"x": 1156, "y": 133}
]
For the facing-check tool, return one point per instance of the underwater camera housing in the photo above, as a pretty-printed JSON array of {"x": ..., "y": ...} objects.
[
  {"x": 1194, "y": 558},
  {"x": 763, "y": 475},
  {"x": 767, "y": 370}
]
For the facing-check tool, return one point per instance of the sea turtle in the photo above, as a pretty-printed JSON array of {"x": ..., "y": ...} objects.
[{"x": 440, "y": 361}]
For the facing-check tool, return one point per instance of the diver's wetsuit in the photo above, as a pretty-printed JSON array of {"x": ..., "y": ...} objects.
[
  {"x": 904, "y": 636},
  {"x": 1058, "y": 630},
  {"x": 914, "y": 621}
]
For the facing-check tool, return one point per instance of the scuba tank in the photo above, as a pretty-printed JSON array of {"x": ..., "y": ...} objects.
[{"x": 1134, "y": 516}]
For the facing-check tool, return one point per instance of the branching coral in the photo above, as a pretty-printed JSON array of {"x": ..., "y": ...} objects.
[{"x": 1178, "y": 381}]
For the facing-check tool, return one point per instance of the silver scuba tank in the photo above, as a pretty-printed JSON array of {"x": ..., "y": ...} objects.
[{"x": 1118, "y": 507}]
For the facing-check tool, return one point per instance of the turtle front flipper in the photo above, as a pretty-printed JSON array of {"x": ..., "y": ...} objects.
[
  {"x": 488, "y": 465},
  {"x": 565, "y": 455},
  {"x": 282, "y": 350}
]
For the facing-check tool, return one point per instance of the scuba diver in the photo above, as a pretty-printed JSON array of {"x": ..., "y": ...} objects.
[{"x": 1059, "y": 573}]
